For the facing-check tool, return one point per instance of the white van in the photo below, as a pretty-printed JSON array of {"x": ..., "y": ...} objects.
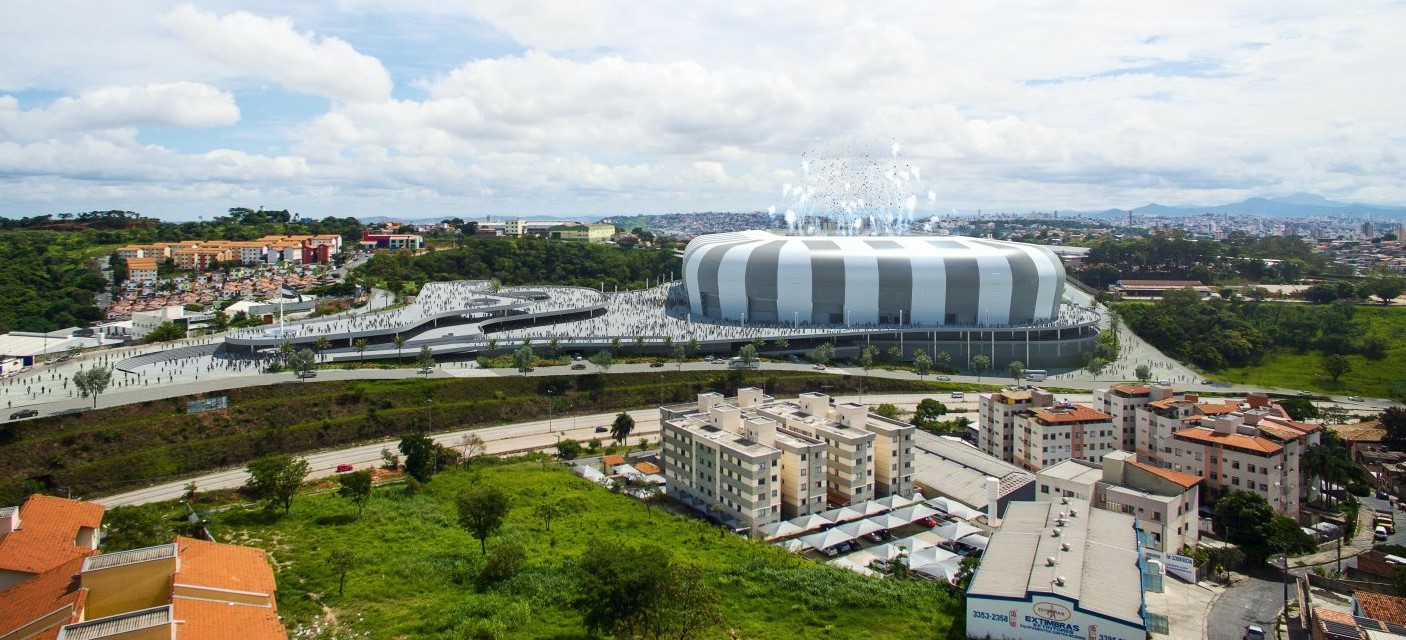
[
  {"x": 958, "y": 395},
  {"x": 1380, "y": 534}
]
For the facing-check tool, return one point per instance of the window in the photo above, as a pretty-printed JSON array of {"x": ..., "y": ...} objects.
[{"x": 1044, "y": 488}]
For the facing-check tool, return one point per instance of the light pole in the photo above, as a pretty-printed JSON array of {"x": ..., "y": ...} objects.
[{"x": 550, "y": 403}]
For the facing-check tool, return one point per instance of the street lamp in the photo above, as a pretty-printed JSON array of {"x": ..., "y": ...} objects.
[{"x": 550, "y": 403}]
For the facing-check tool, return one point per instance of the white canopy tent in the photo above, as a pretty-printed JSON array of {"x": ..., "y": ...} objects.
[
  {"x": 944, "y": 570},
  {"x": 914, "y": 513},
  {"x": 843, "y": 514},
  {"x": 862, "y": 569},
  {"x": 888, "y": 521},
  {"x": 930, "y": 555},
  {"x": 894, "y": 501},
  {"x": 812, "y": 521},
  {"x": 956, "y": 530},
  {"x": 793, "y": 546},
  {"x": 780, "y": 530},
  {"x": 975, "y": 541},
  {"x": 956, "y": 509},
  {"x": 826, "y": 539},
  {"x": 859, "y": 528},
  {"x": 871, "y": 507}
]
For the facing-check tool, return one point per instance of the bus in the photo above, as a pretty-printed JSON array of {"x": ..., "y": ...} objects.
[
  {"x": 1036, "y": 375},
  {"x": 739, "y": 363}
]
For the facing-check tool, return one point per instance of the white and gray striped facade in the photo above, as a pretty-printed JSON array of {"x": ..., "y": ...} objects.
[{"x": 756, "y": 276}]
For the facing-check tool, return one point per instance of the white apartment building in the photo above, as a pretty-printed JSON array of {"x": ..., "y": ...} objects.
[
  {"x": 1123, "y": 401},
  {"x": 755, "y": 461},
  {"x": 1165, "y": 502},
  {"x": 1046, "y": 436},
  {"x": 996, "y": 414}
]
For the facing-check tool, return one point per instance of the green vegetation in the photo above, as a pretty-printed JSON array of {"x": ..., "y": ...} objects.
[
  {"x": 1238, "y": 258},
  {"x": 516, "y": 261},
  {"x": 1279, "y": 344},
  {"x": 120, "y": 448},
  {"x": 549, "y": 566},
  {"x": 1247, "y": 520}
]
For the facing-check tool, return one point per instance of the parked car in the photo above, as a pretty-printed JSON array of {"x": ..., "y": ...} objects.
[
  {"x": 944, "y": 378},
  {"x": 874, "y": 536},
  {"x": 1356, "y": 399},
  {"x": 307, "y": 374},
  {"x": 819, "y": 367},
  {"x": 928, "y": 521},
  {"x": 1383, "y": 495},
  {"x": 1254, "y": 632},
  {"x": 575, "y": 356},
  {"x": 831, "y": 551},
  {"x": 601, "y": 429},
  {"x": 426, "y": 369},
  {"x": 1380, "y": 534},
  {"x": 578, "y": 366},
  {"x": 343, "y": 468},
  {"x": 24, "y": 413},
  {"x": 958, "y": 395},
  {"x": 656, "y": 364}
]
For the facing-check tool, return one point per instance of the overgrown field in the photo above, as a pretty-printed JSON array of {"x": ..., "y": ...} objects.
[
  {"x": 121, "y": 448},
  {"x": 415, "y": 572}
]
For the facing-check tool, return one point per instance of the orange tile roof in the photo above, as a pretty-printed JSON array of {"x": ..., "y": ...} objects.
[
  {"x": 613, "y": 460},
  {"x": 1132, "y": 388},
  {"x": 1217, "y": 408},
  {"x": 41, "y": 595},
  {"x": 1186, "y": 480},
  {"x": 1301, "y": 427},
  {"x": 1240, "y": 441},
  {"x": 647, "y": 467},
  {"x": 1015, "y": 394},
  {"x": 224, "y": 566},
  {"x": 48, "y": 530},
  {"x": 1382, "y": 607},
  {"x": 207, "y": 620},
  {"x": 1361, "y": 432},
  {"x": 1075, "y": 413},
  {"x": 1279, "y": 431}
]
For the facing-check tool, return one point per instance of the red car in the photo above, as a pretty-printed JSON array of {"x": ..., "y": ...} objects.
[
  {"x": 928, "y": 521},
  {"x": 343, "y": 468}
]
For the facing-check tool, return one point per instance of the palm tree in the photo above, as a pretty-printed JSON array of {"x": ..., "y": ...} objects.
[
  {"x": 321, "y": 344},
  {"x": 361, "y": 345},
  {"x": 399, "y": 343}
]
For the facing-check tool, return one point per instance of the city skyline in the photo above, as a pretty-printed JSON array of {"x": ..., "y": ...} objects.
[{"x": 442, "y": 109}]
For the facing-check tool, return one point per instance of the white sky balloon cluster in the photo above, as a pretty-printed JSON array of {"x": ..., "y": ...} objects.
[{"x": 869, "y": 191}]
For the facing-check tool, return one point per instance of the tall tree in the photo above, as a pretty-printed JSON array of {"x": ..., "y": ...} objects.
[
  {"x": 275, "y": 479},
  {"x": 980, "y": 364},
  {"x": 747, "y": 354},
  {"x": 621, "y": 428},
  {"x": 419, "y": 451},
  {"x": 399, "y": 344},
  {"x": 522, "y": 359},
  {"x": 1393, "y": 419},
  {"x": 603, "y": 359},
  {"x": 482, "y": 510},
  {"x": 302, "y": 361},
  {"x": 361, "y": 345},
  {"x": 425, "y": 360},
  {"x": 1335, "y": 366},
  {"x": 922, "y": 364},
  {"x": 1143, "y": 373},
  {"x": 92, "y": 382},
  {"x": 356, "y": 487},
  {"x": 341, "y": 561},
  {"x": 321, "y": 344},
  {"x": 1017, "y": 370}
]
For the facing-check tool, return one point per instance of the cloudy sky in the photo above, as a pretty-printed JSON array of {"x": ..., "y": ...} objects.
[{"x": 592, "y": 107}]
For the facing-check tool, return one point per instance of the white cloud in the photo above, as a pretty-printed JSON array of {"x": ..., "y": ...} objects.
[
  {"x": 271, "y": 48},
  {"x": 176, "y": 104}
]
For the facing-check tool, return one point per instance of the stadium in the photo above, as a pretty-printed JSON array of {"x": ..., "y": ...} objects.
[{"x": 856, "y": 280}]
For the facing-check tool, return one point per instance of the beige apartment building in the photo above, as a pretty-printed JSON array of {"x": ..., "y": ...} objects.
[
  {"x": 1251, "y": 450},
  {"x": 753, "y": 460},
  {"x": 1122, "y": 403},
  {"x": 996, "y": 414},
  {"x": 1049, "y": 435}
]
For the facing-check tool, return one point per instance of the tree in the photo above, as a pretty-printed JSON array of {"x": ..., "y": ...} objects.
[
  {"x": 1393, "y": 419},
  {"x": 166, "y": 332},
  {"x": 783, "y": 343},
  {"x": 1143, "y": 373},
  {"x": 547, "y": 511},
  {"x": 302, "y": 361},
  {"x": 693, "y": 345},
  {"x": 928, "y": 414},
  {"x": 553, "y": 345},
  {"x": 419, "y": 452},
  {"x": 481, "y": 512},
  {"x": 135, "y": 527},
  {"x": 522, "y": 359},
  {"x": 641, "y": 592},
  {"x": 980, "y": 365},
  {"x": 639, "y": 345},
  {"x": 1335, "y": 366},
  {"x": 887, "y": 410},
  {"x": 1299, "y": 408},
  {"x": 867, "y": 353},
  {"x": 568, "y": 449},
  {"x": 679, "y": 356},
  {"x": 944, "y": 359},
  {"x": 922, "y": 363},
  {"x": 505, "y": 562},
  {"x": 341, "y": 560},
  {"x": 621, "y": 428},
  {"x": 425, "y": 361},
  {"x": 1093, "y": 364},
  {"x": 92, "y": 382},
  {"x": 321, "y": 344},
  {"x": 474, "y": 448},
  {"x": 1017, "y": 370},
  {"x": 747, "y": 354},
  {"x": 603, "y": 359},
  {"x": 285, "y": 351},
  {"x": 399, "y": 342},
  {"x": 1383, "y": 283},
  {"x": 275, "y": 479},
  {"x": 355, "y": 486},
  {"x": 361, "y": 345},
  {"x": 821, "y": 354}
]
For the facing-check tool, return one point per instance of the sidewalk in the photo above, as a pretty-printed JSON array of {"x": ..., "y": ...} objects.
[{"x": 1360, "y": 542}]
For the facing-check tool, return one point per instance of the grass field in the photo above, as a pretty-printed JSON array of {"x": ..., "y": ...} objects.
[
  {"x": 415, "y": 569},
  {"x": 1290, "y": 370}
]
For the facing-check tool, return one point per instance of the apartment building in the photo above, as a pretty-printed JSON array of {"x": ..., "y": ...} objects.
[
  {"x": 141, "y": 269},
  {"x": 131, "y": 252},
  {"x": 1123, "y": 401},
  {"x": 1049, "y": 435},
  {"x": 1252, "y": 450},
  {"x": 996, "y": 414},
  {"x": 1165, "y": 502},
  {"x": 44, "y": 533},
  {"x": 753, "y": 460}
]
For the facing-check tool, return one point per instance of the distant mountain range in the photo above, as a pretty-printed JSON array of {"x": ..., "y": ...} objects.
[{"x": 1299, "y": 205}]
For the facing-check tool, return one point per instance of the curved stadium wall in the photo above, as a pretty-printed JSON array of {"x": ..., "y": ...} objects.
[{"x": 756, "y": 276}]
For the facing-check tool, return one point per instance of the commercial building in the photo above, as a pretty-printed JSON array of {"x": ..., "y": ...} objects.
[
  {"x": 753, "y": 460},
  {"x": 952, "y": 468},
  {"x": 592, "y": 233},
  {"x": 1059, "y": 570},
  {"x": 902, "y": 280},
  {"x": 1156, "y": 288},
  {"x": 144, "y": 322},
  {"x": 375, "y": 241},
  {"x": 1165, "y": 502},
  {"x": 54, "y": 583}
]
